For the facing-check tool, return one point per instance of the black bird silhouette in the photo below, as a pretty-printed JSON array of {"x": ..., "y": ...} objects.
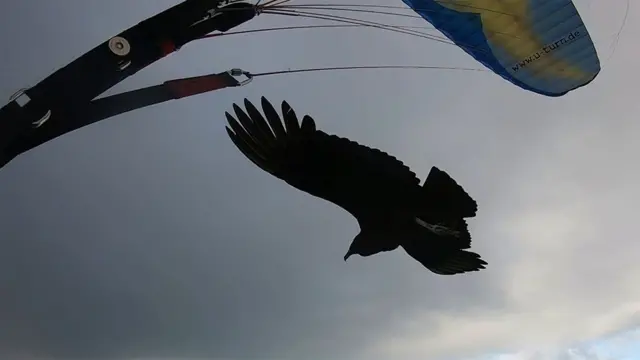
[{"x": 382, "y": 193}]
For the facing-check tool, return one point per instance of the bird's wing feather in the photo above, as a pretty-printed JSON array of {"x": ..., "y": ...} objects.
[{"x": 327, "y": 166}]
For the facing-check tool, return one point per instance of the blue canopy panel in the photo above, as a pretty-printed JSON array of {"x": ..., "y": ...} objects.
[{"x": 539, "y": 45}]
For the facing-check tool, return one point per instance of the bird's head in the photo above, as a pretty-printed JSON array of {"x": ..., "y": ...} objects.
[
  {"x": 348, "y": 254},
  {"x": 359, "y": 247}
]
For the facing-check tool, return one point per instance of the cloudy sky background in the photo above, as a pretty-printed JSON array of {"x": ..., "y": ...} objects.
[{"x": 150, "y": 236}]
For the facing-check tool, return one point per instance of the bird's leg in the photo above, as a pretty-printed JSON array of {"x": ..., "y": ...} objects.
[{"x": 437, "y": 229}]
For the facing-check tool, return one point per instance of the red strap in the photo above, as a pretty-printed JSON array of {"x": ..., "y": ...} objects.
[
  {"x": 196, "y": 85},
  {"x": 167, "y": 47}
]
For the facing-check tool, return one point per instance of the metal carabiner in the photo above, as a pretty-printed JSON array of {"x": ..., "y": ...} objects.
[{"x": 239, "y": 72}]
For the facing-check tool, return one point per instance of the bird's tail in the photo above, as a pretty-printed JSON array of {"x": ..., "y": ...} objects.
[
  {"x": 445, "y": 197},
  {"x": 444, "y": 261},
  {"x": 457, "y": 262}
]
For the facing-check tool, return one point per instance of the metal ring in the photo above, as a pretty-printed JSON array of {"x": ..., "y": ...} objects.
[{"x": 119, "y": 46}]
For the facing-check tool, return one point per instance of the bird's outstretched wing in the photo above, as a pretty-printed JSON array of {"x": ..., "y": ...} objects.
[
  {"x": 447, "y": 197},
  {"x": 447, "y": 204},
  {"x": 336, "y": 169}
]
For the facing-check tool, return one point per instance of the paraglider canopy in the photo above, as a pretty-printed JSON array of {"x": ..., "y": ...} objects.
[{"x": 539, "y": 45}]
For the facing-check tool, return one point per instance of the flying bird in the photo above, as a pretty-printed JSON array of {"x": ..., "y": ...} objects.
[{"x": 383, "y": 194}]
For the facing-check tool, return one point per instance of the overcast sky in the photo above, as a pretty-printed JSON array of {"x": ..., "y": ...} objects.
[{"x": 150, "y": 236}]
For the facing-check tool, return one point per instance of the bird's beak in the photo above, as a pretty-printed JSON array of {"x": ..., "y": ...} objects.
[{"x": 347, "y": 255}]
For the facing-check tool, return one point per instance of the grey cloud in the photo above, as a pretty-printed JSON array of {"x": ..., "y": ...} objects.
[{"x": 149, "y": 235}]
